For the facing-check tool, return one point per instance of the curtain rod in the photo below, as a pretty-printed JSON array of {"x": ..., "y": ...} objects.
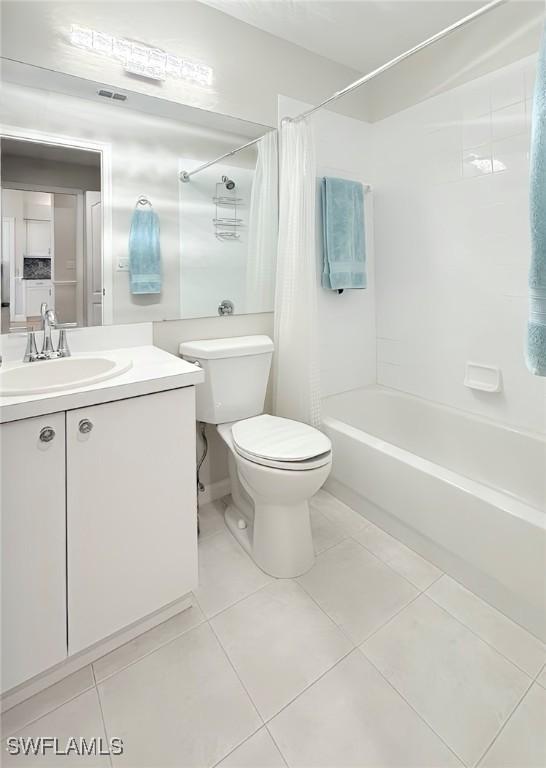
[
  {"x": 186, "y": 175},
  {"x": 393, "y": 62}
]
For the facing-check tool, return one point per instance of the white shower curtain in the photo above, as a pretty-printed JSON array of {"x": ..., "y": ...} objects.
[
  {"x": 263, "y": 228},
  {"x": 296, "y": 374}
]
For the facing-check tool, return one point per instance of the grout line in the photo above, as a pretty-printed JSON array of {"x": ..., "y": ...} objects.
[
  {"x": 401, "y": 575},
  {"x": 240, "y": 599},
  {"x": 497, "y": 610},
  {"x": 284, "y": 759},
  {"x": 232, "y": 665},
  {"x": 479, "y": 637},
  {"x": 503, "y": 726},
  {"x": 236, "y": 747},
  {"x": 541, "y": 670},
  {"x": 102, "y": 717},
  {"x": 325, "y": 612},
  {"x": 47, "y": 712},
  {"x": 410, "y": 705},
  {"x": 148, "y": 653},
  {"x": 389, "y": 566},
  {"x": 243, "y": 686},
  {"x": 310, "y": 685}
]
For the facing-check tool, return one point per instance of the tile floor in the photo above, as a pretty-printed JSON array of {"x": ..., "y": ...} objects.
[{"x": 373, "y": 658}]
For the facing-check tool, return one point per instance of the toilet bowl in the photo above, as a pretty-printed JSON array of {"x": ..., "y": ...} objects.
[
  {"x": 275, "y": 464},
  {"x": 269, "y": 514}
]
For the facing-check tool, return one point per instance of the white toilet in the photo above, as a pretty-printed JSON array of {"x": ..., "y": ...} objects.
[{"x": 275, "y": 464}]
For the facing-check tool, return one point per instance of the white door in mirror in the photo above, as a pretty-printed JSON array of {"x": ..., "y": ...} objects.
[{"x": 57, "y": 375}]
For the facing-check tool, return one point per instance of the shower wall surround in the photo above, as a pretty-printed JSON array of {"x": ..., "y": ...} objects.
[
  {"x": 452, "y": 245},
  {"x": 346, "y": 322}
]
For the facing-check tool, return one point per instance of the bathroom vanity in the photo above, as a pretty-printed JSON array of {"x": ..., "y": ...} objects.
[{"x": 98, "y": 509}]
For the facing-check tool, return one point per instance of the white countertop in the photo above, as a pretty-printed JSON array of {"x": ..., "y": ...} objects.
[{"x": 152, "y": 370}]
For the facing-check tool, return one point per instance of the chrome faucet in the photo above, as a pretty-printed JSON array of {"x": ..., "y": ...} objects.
[
  {"x": 49, "y": 323},
  {"x": 49, "y": 320}
]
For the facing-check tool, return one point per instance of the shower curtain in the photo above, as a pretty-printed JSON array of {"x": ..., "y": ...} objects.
[
  {"x": 296, "y": 389},
  {"x": 263, "y": 228}
]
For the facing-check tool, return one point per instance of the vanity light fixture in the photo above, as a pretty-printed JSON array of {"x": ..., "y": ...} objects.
[{"x": 140, "y": 59}]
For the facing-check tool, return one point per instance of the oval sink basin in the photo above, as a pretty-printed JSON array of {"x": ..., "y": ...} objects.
[{"x": 55, "y": 375}]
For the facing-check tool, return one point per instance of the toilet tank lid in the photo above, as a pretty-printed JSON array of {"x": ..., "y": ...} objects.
[{"x": 238, "y": 346}]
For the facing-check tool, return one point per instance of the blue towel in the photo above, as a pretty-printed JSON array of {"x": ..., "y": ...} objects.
[
  {"x": 344, "y": 248},
  {"x": 536, "y": 336},
  {"x": 144, "y": 252}
]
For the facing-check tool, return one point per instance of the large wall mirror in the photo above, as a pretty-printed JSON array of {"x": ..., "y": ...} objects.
[{"x": 92, "y": 195}]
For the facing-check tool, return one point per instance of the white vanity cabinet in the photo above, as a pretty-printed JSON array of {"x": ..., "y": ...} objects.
[
  {"x": 98, "y": 524},
  {"x": 36, "y": 293},
  {"x": 130, "y": 511},
  {"x": 33, "y": 626}
]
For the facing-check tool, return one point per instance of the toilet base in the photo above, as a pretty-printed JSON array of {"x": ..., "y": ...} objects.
[
  {"x": 278, "y": 540},
  {"x": 232, "y": 516}
]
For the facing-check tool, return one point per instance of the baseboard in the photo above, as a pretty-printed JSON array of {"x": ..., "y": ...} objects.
[
  {"x": 215, "y": 491},
  {"x": 72, "y": 664}
]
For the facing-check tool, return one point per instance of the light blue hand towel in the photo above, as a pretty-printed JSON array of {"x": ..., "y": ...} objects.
[
  {"x": 144, "y": 252},
  {"x": 344, "y": 244},
  {"x": 536, "y": 337}
]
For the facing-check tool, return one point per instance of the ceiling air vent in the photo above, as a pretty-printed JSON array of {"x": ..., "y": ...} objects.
[{"x": 112, "y": 95}]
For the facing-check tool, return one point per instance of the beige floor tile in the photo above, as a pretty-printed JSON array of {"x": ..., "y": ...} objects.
[
  {"x": 226, "y": 573},
  {"x": 181, "y": 705},
  {"x": 343, "y": 517},
  {"x": 403, "y": 560},
  {"x": 47, "y": 700},
  {"x": 257, "y": 752},
  {"x": 78, "y": 718},
  {"x": 146, "y": 643},
  {"x": 522, "y": 742},
  {"x": 514, "y": 642},
  {"x": 279, "y": 642},
  {"x": 352, "y": 718},
  {"x": 463, "y": 688},
  {"x": 358, "y": 591}
]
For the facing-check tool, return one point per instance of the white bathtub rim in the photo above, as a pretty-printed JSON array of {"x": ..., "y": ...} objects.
[
  {"x": 504, "y": 500},
  {"x": 398, "y": 393}
]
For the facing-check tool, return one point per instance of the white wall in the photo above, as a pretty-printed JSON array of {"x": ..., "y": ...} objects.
[
  {"x": 250, "y": 66},
  {"x": 213, "y": 269},
  {"x": 346, "y": 321},
  {"x": 452, "y": 246}
]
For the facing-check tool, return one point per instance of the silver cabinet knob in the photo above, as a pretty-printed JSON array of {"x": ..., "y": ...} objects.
[
  {"x": 85, "y": 426},
  {"x": 47, "y": 434}
]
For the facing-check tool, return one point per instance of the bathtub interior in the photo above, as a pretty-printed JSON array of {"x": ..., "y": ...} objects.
[{"x": 500, "y": 457}]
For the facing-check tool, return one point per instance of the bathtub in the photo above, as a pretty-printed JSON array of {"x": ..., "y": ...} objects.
[{"x": 466, "y": 493}]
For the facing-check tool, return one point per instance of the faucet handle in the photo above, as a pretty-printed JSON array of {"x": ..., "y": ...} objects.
[{"x": 63, "y": 350}]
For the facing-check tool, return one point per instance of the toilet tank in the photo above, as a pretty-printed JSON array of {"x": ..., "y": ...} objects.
[{"x": 236, "y": 374}]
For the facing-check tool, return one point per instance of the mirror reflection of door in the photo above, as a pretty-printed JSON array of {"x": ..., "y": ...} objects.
[{"x": 51, "y": 234}]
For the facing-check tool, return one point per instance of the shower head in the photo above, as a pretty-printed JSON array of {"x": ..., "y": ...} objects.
[{"x": 228, "y": 183}]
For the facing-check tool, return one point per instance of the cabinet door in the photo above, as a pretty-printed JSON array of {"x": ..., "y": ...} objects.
[
  {"x": 38, "y": 238},
  {"x": 33, "y": 547},
  {"x": 131, "y": 511},
  {"x": 38, "y": 291}
]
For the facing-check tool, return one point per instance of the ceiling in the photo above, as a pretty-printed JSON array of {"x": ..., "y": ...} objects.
[
  {"x": 39, "y": 151},
  {"x": 361, "y": 34}
]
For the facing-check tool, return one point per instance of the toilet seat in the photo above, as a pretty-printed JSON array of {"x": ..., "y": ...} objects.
[{"x": 272, "y": 441}]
